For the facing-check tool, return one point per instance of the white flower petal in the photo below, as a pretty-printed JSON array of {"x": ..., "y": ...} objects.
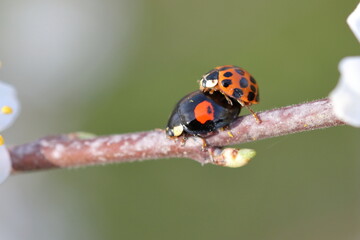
[
  {"x": 5, "y": 163},
  {"x": 8, "y": 98},
  {"x": 354, "y": 21},
  {"x": 345, "y": 97}
]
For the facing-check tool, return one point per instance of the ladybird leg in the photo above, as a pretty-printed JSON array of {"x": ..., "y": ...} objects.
[
  {"x": 204, "y": 145},
  {"x": 183, "y": 140},
  {"x": 252, "y": 112},
  {"x": 205, "y": 89},
  {"x": 228, "y": 99},
  {"x": 227, "y": 128},
  {"x": 171, "y": 138}
]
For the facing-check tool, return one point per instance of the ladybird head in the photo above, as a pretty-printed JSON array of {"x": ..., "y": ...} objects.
[
  {"x": 175, "y": 131},
  {"x": 209, "y": 80},
  {"x": 174, "y": 127}
]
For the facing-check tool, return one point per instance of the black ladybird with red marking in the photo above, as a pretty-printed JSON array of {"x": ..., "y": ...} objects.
[{"x": 199, "y": 113}]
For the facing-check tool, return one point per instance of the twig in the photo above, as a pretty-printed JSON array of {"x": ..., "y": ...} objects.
[{"x": 71, "y": 151}]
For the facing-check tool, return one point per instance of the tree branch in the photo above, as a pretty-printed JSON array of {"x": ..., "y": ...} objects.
[{"x": 71, "y": 151}]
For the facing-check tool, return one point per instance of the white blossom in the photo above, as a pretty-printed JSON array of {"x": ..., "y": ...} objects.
[
  {"x": 9, "y": 109},
  {"x": 8, "y": 98},
  {"x": 354, "y": 22},
  {"x": 5, "y": 163},
  {"x": 345, "y": 98}
]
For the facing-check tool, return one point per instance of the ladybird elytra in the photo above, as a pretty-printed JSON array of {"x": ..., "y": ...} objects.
[
  {"x": 235, "y": 83},
  {"x": 204, "y": 112},
  {"x": 200, "y": 113},
  {"x": 232, "y": 81}
]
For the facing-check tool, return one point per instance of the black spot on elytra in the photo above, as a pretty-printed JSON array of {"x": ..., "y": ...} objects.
[
  {"x": 228, "y": 74},
  {"x": 212, "y": 76},
  {"x": 226, "y": 82},
  {"x": 243, "y": 82},
  {"x": 239, "y": 71},
  {"x": 237, "y": 93},
  {"x": 252, "y": 80},
  {"x": 253, "y": 88},
  {"x": 209, "y": 110},
  {"x": 251, "y": 96}
]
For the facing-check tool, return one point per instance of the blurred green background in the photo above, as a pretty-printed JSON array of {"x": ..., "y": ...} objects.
[{"x": 302, "y": 186}]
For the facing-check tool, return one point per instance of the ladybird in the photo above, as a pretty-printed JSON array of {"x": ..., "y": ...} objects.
[
  {"x": 234, "y": 82},
  {"x": 200, "y": 113}
]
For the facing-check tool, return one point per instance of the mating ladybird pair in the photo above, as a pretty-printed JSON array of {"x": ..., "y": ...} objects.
[{"x": 223, "y": 92}]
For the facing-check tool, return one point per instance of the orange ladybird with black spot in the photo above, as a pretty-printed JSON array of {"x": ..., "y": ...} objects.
[
  {"x": 200, "y": 113},
  {"x": 232, "y": 81}
]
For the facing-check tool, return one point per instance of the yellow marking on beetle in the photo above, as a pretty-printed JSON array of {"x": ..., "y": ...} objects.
[
  {"x": 230, "y": 134},
  {"x": 178, "y": 130}
]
